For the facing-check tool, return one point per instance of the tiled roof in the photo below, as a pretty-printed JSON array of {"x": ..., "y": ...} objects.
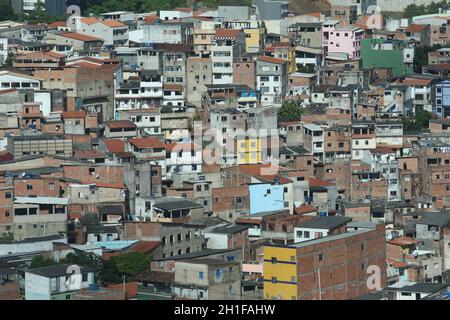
[
  {"x": 74, "y": 114},
  {"x": 118, "y": 124},
  {"x": 173, "y": 87},
  {"x": 314, "y": 182},
  {"x": 78, "y": 36},
  {"x": 305, "y": 209},
  {"x": 403, "y": 241},
  {"x": 109, "y": 23},
  {"x": 416, "y": 28},
  {"x": 271, "y": 60},
  {"x": 114, "y": 145},
  {"x": 56, "y": 24},
  {"x": 41, "y": 55},
  {"x": 149, "y": 143},
  {"x": 151, "y": 19},
  {"x": 414, "y": 82},
  {"x": 227, "y": 33}
]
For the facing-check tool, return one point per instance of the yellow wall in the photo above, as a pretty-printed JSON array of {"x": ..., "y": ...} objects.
[
  {"x": 252, "y": 42},
  {"x": 284, "y": 269},
  {"x": 244, "y": 147}
]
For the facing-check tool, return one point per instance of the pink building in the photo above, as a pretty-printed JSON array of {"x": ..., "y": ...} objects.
[{"x": 340, "y": 40}]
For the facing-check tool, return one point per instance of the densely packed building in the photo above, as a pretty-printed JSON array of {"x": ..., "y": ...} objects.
[{"x": 242, "y": 152}]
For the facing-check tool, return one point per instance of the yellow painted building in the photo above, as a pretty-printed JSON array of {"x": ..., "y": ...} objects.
[
  {"x": 253, "y": 39},
  {"x": 280, "y": 273},
  {"x": 248, "y": 151}
]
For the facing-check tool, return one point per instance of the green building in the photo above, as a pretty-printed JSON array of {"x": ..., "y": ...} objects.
[{"x": 379, "y": 53}]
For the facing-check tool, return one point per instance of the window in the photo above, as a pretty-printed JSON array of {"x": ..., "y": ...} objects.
[
  {"x": 320, "y": 257},
  {"x": 274, "y": 260},
  {"x": 306, "y": 234},
  {"x": 51, "y": 186},
  {"x": 200, "y": 275},
  {"x": 29, "y": 187},
  {"x": 362, "y": 246},
  {"x": 274, "y": 280},
  {"x": 8, "y": 195}
]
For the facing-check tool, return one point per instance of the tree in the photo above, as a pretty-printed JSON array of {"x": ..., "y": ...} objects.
[
  {"x": 85, "y": 259},
  {"x": 7, "y": 236},
  {"x": 421, "y": 56},
  {"x": 415, "y": 10},
  {"x": 131, "y": 263},
  {"x": 41, "y": 261},
  {"x": 419, "y": 122},
  {"x": 6, "y": 10},
  {"x": 291, "y": 111}
]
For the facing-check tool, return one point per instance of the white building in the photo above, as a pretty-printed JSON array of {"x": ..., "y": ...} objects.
[
  {"x": 13, "y": 80},
  {"x": 183, "y": 158},
  {"x": 113, "y": 33},
  {"x": 58, "y": 282},
  {"x": 227, "y": 45},
  {"x": 320, "y": 227},
  {"x": 3, "y": 50}
]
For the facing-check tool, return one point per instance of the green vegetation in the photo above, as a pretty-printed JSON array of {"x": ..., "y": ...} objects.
[
  {"x": 291, "y": 111},
  {"x": 7, "y": 236},
  {"x": 99, "y": 6},
  {"x": 6, "y": 12},
  {"x": 419, "y": 122},
  {"x": 109, "y": 271},
  {"x": 421, "y": 56},
  {"x": 415, "y": 10}
]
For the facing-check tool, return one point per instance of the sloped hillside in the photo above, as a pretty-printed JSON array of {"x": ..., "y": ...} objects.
[{"x": 308, "y": 6}]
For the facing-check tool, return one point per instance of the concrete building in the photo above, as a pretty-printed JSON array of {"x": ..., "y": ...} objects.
[
  {"x": 341, "y": 40},
  {"x": 227, "y": 45},
  {"x": 32, "y": 145},
  {"x": 112, "y": 32},
  {"x": 205, "y": 279},
  {"x": 52, "y": 7},
  {"x": 271, "y": 9},
  {"x": 271, "y": 79},
  {"x": 58, "y": 282},
  {"x": 292, "y": 272},
  {"x": 441, "y": 106},
  {"x": 199, "y": 75},
  {"x": 379, "y": 53}
]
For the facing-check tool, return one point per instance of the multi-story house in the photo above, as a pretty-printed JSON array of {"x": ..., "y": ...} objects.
[
  {"x": 433, "y": 168},
  {"x": 199, "y": 75},
  {"x": 112, "y": 32},
  {"x": 341, "y": 40},
  {"x": 58, "y": 282},
  {"x": 3, "y": 50},
  {"x": 204, "y": 32},
  {"x": 174, "y": 57},
  {"x": 147, "y": 121},
  {"x": 271, "y": 79},
  {"x": 288, "y": 276},
  {"x": 183, "y": 158},
  {"x": 176, "y": 238},
  {"x": 308, "y": 34},
  {"x": 157, "y": 30},
  {"x": 314, "y": 141},
  {"x": 205, "y": 279},
  {"x": 363, "y": 138},
  {"x": 397, "y": 56},
  {"x": 421, "y": 91},
  {"x": 227, "y": 45},
  {"x": 441, "y": 106}
]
